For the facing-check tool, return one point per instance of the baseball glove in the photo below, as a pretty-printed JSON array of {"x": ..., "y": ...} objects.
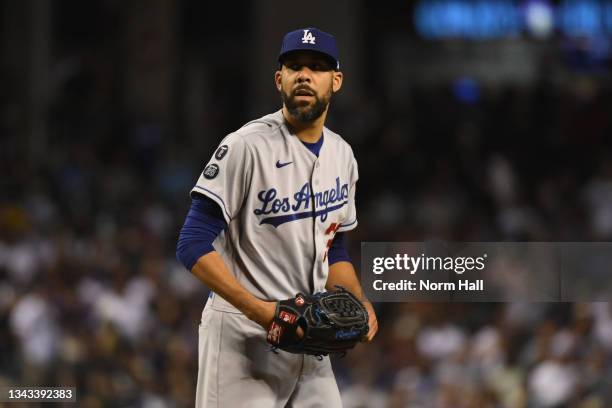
[{"x": 333, "y": 322}]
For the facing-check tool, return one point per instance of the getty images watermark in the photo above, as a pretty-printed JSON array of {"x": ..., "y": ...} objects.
[
  {"x": 486, "y": 271},
  {"x": 413, "y": 264}
]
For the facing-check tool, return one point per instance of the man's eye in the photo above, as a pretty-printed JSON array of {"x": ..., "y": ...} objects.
[
  {"x": 294, "y": 67},
  {"x": 316, "y": 67}
]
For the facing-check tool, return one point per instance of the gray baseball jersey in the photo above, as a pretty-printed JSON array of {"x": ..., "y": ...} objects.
[{"x": 283, "y": 206}]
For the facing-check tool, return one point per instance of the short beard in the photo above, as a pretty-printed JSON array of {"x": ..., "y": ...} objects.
[{"x": 306, "y": 113}]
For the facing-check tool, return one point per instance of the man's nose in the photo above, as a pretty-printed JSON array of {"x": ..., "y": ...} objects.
[{"x": 304, "y": 74}]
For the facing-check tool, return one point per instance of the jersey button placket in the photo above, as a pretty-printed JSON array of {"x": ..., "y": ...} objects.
[
  {"x": 318, "y": 228},
  {"x": 320, "y": 225}
]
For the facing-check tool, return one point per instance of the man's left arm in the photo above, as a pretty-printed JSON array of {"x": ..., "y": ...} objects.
[
  {"x": 343, "y": 273},
  {"x": 341, "y": 270}
]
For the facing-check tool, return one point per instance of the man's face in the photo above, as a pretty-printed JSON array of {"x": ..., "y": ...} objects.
[{"x": 306, "y": 82}]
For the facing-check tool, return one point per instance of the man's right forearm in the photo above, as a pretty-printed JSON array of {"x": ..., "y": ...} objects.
[{"x": 212, "y": 271}]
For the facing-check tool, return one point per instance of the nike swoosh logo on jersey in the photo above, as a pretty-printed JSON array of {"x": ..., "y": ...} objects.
[{"x": 279, "y": 164}]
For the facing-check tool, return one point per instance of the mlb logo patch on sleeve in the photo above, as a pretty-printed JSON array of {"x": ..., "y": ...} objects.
[
  {"x": 221, "y": 152},
  {"x": 211, "y": 171}
]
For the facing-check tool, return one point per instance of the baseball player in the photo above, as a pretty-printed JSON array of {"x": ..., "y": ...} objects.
[{"x": 267, "y": 220}]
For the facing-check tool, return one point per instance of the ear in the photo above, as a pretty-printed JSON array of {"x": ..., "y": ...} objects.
[
  {"x": 277, "y": 80},
  {"x": 337, "y": 81}
]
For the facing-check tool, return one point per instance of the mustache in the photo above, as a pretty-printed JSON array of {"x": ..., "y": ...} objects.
[{"x": 303, "y": 90}]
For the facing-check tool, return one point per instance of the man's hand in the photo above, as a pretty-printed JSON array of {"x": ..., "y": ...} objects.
[
  {"x": 343, "y": 274},
  {"x": 263, "y": 314},
  {"x": 372, "y": 321}
]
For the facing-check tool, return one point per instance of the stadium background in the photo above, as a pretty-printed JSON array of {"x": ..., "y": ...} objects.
[{"x": 473, "y": 121}]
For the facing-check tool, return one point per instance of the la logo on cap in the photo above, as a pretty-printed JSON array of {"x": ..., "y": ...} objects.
[{"x": 308, "y": 37}]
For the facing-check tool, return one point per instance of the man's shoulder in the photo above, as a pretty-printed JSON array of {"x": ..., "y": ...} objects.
[
  {"x": 262, "y": 127},
  {"x": 338, "y": 141}
]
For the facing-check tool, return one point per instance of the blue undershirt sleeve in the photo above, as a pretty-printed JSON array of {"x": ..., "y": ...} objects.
[
  {"x": 204, "y": 222},
  {"x": 337, "y": 250}
]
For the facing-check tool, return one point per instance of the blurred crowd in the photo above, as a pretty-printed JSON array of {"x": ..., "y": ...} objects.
[
  {"x": 517, "y": 163},
  {"x": 91, "y": 294}
]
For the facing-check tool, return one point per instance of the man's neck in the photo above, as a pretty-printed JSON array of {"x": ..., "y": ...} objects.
[{"x": 307, "y": 132}]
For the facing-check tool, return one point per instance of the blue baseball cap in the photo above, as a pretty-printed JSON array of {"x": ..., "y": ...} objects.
[{"x": 310, "y": 39}]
